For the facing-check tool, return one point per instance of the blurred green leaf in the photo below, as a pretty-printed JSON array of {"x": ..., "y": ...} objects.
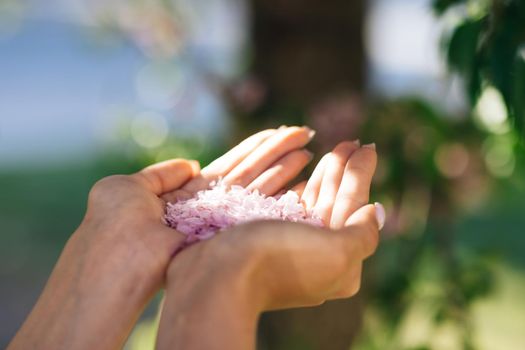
[
  {"x": 462, "y": 55},
  {"x": 440, "y": 6}
]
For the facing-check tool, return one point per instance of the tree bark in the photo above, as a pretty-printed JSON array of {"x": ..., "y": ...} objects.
[{"x": 305, "y": 53}]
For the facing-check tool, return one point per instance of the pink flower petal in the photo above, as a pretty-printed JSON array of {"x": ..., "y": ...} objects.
[{"x": 219, "y": 208}]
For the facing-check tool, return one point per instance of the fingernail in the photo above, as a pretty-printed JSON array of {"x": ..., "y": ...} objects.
[
  {"x": 380, "y": 214},
  {"x": 195, "y": 165},
  {"x": 357, "y": 142},
  {"x": 370, "y": 145},
  {"x": 311, "y": 132}
]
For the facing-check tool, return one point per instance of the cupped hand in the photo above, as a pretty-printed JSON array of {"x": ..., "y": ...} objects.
[
  {"x": 126, "y": 210},
  {"x": 259, "y": 266},
  {"x": 110, "y": 267},
  {"x": 266, "y": 161},
  {"x": 232, "y": 278},
  {"x": 116, "y": 260},
  {"x": 339, "y": 185}
]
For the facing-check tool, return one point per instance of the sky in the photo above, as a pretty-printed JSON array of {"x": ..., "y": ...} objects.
[
  {"x": 53, "y": 87},
  {"x": 57, "y": 84}
]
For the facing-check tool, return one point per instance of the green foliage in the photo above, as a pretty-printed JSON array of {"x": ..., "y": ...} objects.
[
  {"x": 487, "y": 48},
  {"x": 425, "y": 283}
]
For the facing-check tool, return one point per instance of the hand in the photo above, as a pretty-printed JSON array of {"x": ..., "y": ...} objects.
[
  {"x": 110, "y": 266},
  {"x": 340, "y": 184},
  {"x": 262, "y": 266},
  {"x": 230, "y": 279},
  {"x": 266, "y": 161},
  {"x": 129, "y": 209},
  {"x": 116, "y": 260}
]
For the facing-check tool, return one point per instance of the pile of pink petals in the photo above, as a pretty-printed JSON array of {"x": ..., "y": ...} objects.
[{"x": 220, "y": 207}]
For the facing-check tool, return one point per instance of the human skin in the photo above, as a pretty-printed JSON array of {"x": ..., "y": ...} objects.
[
  {"x": 117, "y": 258},
  {"x": 231, "y": 279}
]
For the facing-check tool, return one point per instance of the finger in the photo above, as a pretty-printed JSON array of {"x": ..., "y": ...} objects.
[
  {"x": 332, "y": 177},
  {"x": 224, "y": 164},
  {"x": 276, "y": 146},
  {"x": 168, "y": 175},
  {"x": 361, "y": 234},
  {"x": 299, "y": 188},
  {"x": 311, "y": 191},
  {"x": 355, "y": 185},
  {"x": 281, "y": 172}
]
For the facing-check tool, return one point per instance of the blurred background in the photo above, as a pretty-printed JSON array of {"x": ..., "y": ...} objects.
[{"x": 92, "y": 88}]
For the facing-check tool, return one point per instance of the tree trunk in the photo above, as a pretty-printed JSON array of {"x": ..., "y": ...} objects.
[{"x": 309, "y": 55}]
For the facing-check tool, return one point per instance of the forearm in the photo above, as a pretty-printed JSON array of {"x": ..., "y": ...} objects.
[
  {"x": 91, "y": 301},
  {"x": 210, "y": 319}
]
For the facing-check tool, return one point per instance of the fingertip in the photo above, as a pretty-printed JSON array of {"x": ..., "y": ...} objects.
[
  {"x": 346, "y": 146},
  {"x": 364, "y": 158},
  {"x": 367, "y": 151},
  {"x": 166, "y": 176},
  {"x": 380, "y": 215},
  {"x": 304, "y": 131},
  {"x": 311, "y": 132},
  {"x": 195, "y": 166},
  {"x": 365, "y": 214}
]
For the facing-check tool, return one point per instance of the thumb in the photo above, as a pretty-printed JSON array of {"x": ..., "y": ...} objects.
[
  {"x": 168, "y": 175},
  {"x": 363, "y": 228}
]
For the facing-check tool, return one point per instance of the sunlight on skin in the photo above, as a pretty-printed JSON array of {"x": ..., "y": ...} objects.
[
  {"x": 122, "y": 244},
  {"x": 340, "y": 184},
  {"x": 231, "y": 279},
  {"x": 266, "y": 161}
]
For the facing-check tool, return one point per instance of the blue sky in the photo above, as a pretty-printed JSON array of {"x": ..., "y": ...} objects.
[
  {"x": 57, "y": 83},
  {"x": 54, "y": 84}
]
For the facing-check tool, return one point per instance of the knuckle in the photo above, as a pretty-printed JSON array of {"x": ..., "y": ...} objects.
[
  {"x": 103, "y": 185},
  {"x": 359, "y": 168},
  {"x": 353, "y": 199},
  {"x": 370, "y": 238},
  {"x": 352, "y": 289}
]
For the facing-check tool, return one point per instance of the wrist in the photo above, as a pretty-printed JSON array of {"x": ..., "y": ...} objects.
[
  {"x": 217, "y": 265},
  {"x": 209, "y": 307},
  {"x": 116, "y": 257}
]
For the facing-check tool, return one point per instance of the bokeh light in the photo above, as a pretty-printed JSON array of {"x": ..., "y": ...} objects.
[
  {"x": 452, "y": 159},
  {"x": 492, "y": 112},
  {"x": 149, "y": 129},
  {"x": 499, "y": 156},
  {"x": 90, "y": 88},
  {"x": 160, "y": 84}
]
